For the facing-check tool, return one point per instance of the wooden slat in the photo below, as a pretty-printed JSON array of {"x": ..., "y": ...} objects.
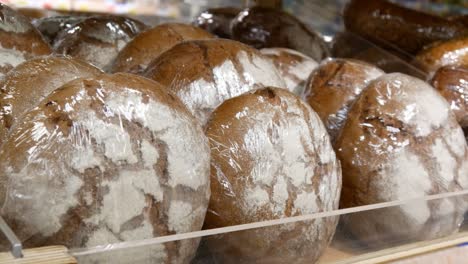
[
  {"x": 42, "y": 255},
  {"x": 398, "y": 253}
]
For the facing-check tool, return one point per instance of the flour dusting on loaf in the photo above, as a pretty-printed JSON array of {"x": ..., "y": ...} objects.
[
  {"x": 219, "y": 70},
  {"x": 294, "y": 67},
  {"x": 100, "y": 161},
  {"x": 271, "y": 158},
  {"x": 400, "y": 142}
]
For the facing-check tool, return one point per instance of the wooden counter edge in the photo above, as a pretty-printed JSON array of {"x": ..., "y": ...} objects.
[{"x": 41, "y": 255}]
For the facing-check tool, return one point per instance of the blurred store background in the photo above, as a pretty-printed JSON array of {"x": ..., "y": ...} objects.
[
  {"x": 181, "y": 10},
  {"x": 173, "y": 7}
]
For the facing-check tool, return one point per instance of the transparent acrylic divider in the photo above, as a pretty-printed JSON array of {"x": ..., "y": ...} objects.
[{"x": 350, "y": 242}]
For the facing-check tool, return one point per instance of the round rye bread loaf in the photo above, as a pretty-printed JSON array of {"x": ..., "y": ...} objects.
[
  {"x": 217, "y": 21},
  {"x": 401, "y": 141},
  {"x": 334, "y": 86},
  {"x": 148, "y": 45},
  {"x": 31, "y": 81},
  {"x": 50, "y": 27},
  {"x": 271, "y": 158},
  {"x": 104, "y": 160},
  {"x": 293, "y": 66},
  {"x": 204, "y": 73},
  {"x": 97, "y": 40},
  {"x": 19, "y": 40},
  {"x": 452, "y": 84},
  {"x": 263, "y": 27},
  {"x": 443, "y": 53}
]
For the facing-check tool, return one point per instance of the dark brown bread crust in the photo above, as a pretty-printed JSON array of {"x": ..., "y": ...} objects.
[
  {"x": 452, "y": 84},
  {"x": 148, "y": 45},
  {"x": 217, "y": 21},
  {"x": 334, "y": 86},
  {"x": 30, "y": 82},
  {"x": 19, "y": 40},
  {"x": 387, "y": 24},
  {"x": 443, "y": 53},
  {"x": 204, "y": 73},
  {"x": 263, "y": 27},
  {"x": 256, "y": 138},
  {"x": 401, "y": 141},
  {"x": 50, "y": 27},
  {"x": 95, "y": 41},
  {"x": 104, "y": 197}
]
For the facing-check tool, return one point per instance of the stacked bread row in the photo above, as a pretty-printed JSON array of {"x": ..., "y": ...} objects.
[{"x": 188, "y": 131}]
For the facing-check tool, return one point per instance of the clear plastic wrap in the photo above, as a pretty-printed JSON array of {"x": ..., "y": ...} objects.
[
  {"x": 452, "y": 84},
  {"x": 444, "y": 53},
  {"x": 31, "y": 81},
  {"x": 97, "y": 39},
  {"x": 345, "y": 248},
  {"x": 255, "y": 26},
  {"x": 104, "y": 160},
  {"x": 334, "y": 86},
  {"x": 204, "y": 73},
  {"x": 148, "y": 45},
  {"x": 50, "y": 27},
  {"x": 217, "y": 21},
  {"x": 271, "y": 158},
  {"x": 401, "y": 141},
  {"x": 275, "y": 239},
  {"x": 19, "y": 40},
  {"x": 293, "y": 66}
]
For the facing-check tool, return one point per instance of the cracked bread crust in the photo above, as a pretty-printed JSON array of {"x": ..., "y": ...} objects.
[
  {"x": 204, "y": 73},
  {"x": 148, "y": 45},
  {"x": 101, "y": 161},
  {"x": 271, "y": 158},
  {"x": 30, "y": 82},
  {"x": 334, "y": 86},
  {"x": 401, "y": 141},
  {"x": 19, "y": 40}
]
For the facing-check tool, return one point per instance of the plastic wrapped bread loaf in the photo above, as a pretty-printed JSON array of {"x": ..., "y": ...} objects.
[
  {"x": 204, "y": 73},
  {"x": 271, "y": 158},
  {"x": 452, "y": 84},
  {"x": 104, "y": 160},
  {"x": 148, "y": 45},
  {"x": 30, "y": 82},
  {"x": 263, "y": 27},
  {"x": 401, "y": 141},
  {"x": 19, "y": 40},
  {"x": 334, "y": 86},
  {"x": 217, "y": 21},
  {"x": 443, "y": 53},
  {"x": 293, "y": 66},
  {"x": 98, "y": 39}
]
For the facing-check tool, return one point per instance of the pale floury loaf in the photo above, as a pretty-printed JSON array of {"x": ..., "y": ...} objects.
[
  {"x": 401, "y": 141},
  {"x": 31, "y": 81},
  {"x": 104, "y": 160},
  {"x": 19, "y": 40},
  {"x": 204, "y": 73},
  {"x": 271, "y": 158},
  {"x": 293, "y": 66}
]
